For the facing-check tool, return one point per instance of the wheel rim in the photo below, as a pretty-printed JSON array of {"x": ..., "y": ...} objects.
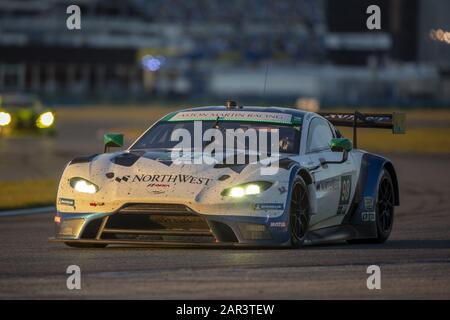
[
  {"x": 385, "y": 205},
  {"x": 299, "y": 212}
]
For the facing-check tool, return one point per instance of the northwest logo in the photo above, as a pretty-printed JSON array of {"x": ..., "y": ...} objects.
[{"x": 160, "y": 178}]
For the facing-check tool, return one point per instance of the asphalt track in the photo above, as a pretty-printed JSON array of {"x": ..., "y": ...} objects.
[{"x": 415, "y": 262}]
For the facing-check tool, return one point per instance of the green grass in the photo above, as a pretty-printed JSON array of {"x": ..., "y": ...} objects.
[
  {"x": 427, "y": 132},
  {"x": 150, "y": 113},
  {"x": 27, "y": 193},
  {"x": 420, "y": 140}
]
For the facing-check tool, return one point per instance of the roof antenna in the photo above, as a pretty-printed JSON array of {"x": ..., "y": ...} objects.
[{"x": 265, "y": 80}]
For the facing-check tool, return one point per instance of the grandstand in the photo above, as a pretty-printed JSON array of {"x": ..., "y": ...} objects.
[{"x": 160, "y": 48}]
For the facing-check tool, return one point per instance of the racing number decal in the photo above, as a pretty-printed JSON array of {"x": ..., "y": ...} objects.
[{"x": 346, "y": 189}]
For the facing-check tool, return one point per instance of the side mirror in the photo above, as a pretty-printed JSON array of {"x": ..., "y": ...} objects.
[
  {"x": 341, "y": 145},
  {"x": 112, "y": 140}
]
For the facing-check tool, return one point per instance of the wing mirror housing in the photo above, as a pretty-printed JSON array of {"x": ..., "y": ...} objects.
[
  {"x": 343, "y": 145},
  {"x": 112, "y": 140}
]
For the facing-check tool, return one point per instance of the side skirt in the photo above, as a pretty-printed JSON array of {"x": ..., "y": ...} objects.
[{"x": 332, "y": 234}]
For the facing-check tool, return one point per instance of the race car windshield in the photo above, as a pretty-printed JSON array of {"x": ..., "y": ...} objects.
[{"x": 159, "y": 136}]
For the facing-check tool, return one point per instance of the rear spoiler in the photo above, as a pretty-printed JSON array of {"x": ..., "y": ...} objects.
[{"x": 395, "y": 121}]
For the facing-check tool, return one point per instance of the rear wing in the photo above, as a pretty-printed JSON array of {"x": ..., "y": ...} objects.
[{"x": 395, "y": 121}]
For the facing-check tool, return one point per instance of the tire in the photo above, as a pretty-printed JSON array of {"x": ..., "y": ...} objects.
[
  {"x": 384, "y": 210},
  {"x": 85, "y": 245},
  {"x": 299, "y": 212}
]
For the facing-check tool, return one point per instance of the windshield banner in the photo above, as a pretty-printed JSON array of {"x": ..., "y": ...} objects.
[{"x": 269, "y": 117}]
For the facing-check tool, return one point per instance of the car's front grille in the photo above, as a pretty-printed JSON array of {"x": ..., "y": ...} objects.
[
  {"x": 166, "y": 208},
  {"x": 156, "y": 222}
]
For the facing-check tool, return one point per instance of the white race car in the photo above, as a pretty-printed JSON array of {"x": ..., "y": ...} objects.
[{"x": 323, "y": 188}]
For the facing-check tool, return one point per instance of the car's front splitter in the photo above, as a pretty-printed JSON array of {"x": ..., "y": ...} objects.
[{"x": 225, "y": 230}]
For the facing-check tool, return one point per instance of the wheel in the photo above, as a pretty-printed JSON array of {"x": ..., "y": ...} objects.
[
  {"x": 85, "y": 245},
  {"x": 384, "y": 210},
  {"x": 299, "y": 210}
]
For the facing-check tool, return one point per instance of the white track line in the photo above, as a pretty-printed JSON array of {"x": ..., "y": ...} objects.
[{"x": 24, "y": 212}]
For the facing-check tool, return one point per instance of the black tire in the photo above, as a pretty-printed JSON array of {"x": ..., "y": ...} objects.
[
  {"x": 85, "y": 245},
  {"x": 385, "y": 207},
  {"x": 299, "y": 212},
  {"x": 384, "y": 210}
]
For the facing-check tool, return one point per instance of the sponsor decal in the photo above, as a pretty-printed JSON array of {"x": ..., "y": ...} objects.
[
  {"x": 368, "y": 203},
  {"x": 350, "y": 117},
  {"x": 278, "y": 224},
  {"x": 96, "y": 204},
  {"x": 66, "y": 202},
  {"x": 368, "y": 216},
  {"x": 346, "y": 189},
  {"x": 124, "y": 178},
  {"x": 274, "y": 117},
  {"x": 269, "y": 206},
  {"x": 158, "y": 185},
  {"x": 327, "y": 185},
  {"x": 163, "y": 180},
  {"x": 282, "y": 189}
]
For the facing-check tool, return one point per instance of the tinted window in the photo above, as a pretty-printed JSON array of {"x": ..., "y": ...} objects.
[
  {"x": 159, "y": 136},
  {"x": 319, "y": 135}
]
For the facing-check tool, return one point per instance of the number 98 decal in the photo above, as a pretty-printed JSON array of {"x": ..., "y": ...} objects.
[{"x": 346, "y": 189}]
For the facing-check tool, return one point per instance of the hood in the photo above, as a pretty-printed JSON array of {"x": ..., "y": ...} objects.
[{"x": 152, "y": 176}]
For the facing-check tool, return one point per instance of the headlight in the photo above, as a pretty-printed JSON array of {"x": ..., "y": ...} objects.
[
  {"x": 251, "y": 188},
  {"x": 82, "y": 185},
  {"x": 45, "y": 120},
  {"x": 5, "y": 119}
]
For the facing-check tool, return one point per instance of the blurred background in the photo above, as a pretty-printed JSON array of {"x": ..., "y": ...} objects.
[
  {"x": 141, "y": 51},
  {"x": 133, "y": 61}
]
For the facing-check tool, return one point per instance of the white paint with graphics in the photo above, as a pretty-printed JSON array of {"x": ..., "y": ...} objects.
[{"x": 198, "y": 185}]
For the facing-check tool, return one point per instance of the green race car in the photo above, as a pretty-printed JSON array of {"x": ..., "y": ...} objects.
[{"x": 21, "y": 113}]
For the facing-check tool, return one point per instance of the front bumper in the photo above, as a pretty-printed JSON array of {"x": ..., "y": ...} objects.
[{"x": 173, "y": 226}]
